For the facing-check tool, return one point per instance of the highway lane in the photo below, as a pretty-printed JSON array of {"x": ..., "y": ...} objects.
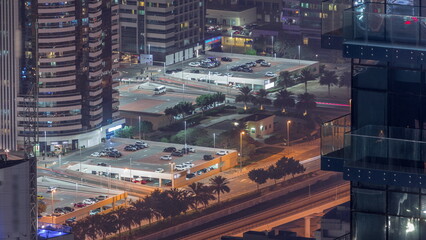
[{"x": 304, "y": 202}]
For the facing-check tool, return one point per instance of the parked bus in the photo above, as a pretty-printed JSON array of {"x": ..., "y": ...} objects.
[{"x": 159, "y": 90}]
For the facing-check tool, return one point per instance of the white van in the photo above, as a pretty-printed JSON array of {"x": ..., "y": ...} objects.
[{"x": 159, "y": 90}]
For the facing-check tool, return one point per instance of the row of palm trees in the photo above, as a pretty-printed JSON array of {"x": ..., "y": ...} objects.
[
  {"x": 284, "y": 99},
  {"x": 327, "y": 77},
  {"x": 158, "y": 205}
]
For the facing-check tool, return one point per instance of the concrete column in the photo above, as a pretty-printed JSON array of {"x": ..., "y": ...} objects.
[
  {"x": 307, "y": 227},
  {"x": 159, "y": 182}
]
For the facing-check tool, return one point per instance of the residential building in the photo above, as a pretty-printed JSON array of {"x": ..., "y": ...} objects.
[
  {"x": 380, "y": 146},
  {"x": 76, "y": 44},
  {"x": 169, "y": 30},
  {"x": 9, "y": 72}
]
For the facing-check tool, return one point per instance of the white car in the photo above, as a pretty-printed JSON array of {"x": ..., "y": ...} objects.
[
  {"x": 222, "y": 153},
  {"x": 189, "y": 164},
  {"x": 140, "y": 143},
  {"x": 166, "y": 157},
  {"x": 95, "y": 154},
  {"x": 51, "y": 189},
  {"x": 217, "y": 74},
  {"x": 180, "y": 167},
  {"x": 194, "y": 64},
  {"x": 159, "y": 170},
  {"x": 88, "y": 202},
  {"x": 271, "y": 74},
  {"x": 228, "y": 74}
]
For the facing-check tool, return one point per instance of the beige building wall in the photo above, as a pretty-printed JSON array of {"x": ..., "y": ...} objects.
[{"x": 233, "y": 18}]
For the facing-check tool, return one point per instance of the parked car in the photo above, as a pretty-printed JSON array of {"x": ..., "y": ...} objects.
[
  {"x": 177, "y": 154},
  {"x": 95, "y": 211},
  {"x": 190, "y": 175},
  {"x": 140, "y": 143},
  {"x": 102, "y": 164},
  {"x": 79, "y": 205},
  {"x": 137, "y": 146},
  {"x": 103, "y": 153},
  {"x": 265, "y": 64},
  {"x": 270, "y": 74},
  {"x": 251, "y": 64},
  {"x": 180, "y": 167},
  {"x": 208, "y": 157},
  {"x": 68, "y": 209},
  {"x": 114, "y": 154},
  {"x": 169, "y": 149},
  {"x": 130, "y": 148},
  {"x": 168, "y": 183},
  {"x": 59, "y": 210},
  {"x": 159, "y": 170},
  {"x": 222, "y": 153},
  {"x": 195, "y": 71},
  {"x": 226, "y": 59},
  {"x": 88, "y": 202},
  {"x": 95, "y": 154},
  {"x": 51, "y": 189},
  {"x": 94, "y": 199},
  {"x": 247, "y": 70},
  {"x": 194, "y": 64},
  {"x": 102, "y": 197},
  {"x": 166, "y": 157},
  {"x": 189, "y": 164},
  {"x": 260, "y": 60}
]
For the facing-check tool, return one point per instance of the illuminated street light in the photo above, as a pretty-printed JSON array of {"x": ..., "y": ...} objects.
[
  {"x": 288, "y": 132},
  {"x": 53, "y": 206},
  {"x": 241, "y": 150}
]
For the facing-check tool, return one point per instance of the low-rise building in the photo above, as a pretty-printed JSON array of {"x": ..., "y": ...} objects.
[{"x": 259, "y": 125}]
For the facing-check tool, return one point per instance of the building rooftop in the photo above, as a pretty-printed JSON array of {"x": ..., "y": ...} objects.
[{"x": 256, "y": 117}]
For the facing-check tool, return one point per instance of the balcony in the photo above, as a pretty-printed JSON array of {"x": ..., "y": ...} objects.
[
  {"x": 374, "y": 154},
  {"x": 398, "y": 35}
]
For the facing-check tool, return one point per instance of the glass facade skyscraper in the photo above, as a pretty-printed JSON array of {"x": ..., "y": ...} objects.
[{"x": 381, "y": 146}]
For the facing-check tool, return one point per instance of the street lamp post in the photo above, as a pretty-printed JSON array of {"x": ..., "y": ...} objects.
[
  {"x": 45, "y": 145},
  {"x": 53, "y": 206},
  {"x": 298, "y": 47},
  {"x": 241, "y": 150},
  {"x": 288, "y": 132},
  {"x": 109, "y": 178},
  {"x": 214, "y": 141},
  {"x": 185, "y": 135},
  {"x": 139, "y": 127},
  {"x": 172, "y": 168},
  {"x": 232, "y": 41},
  {"x": 272, "y": 49}
]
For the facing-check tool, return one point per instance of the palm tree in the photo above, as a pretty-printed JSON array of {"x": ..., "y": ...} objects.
[
  {"x": 119, "y": 212},
  {"x": 285, "y": 78},
  {"x": 93, "y": 224},
  {"x": 244, "y": 96},
  {"x": 149, "y": 205},
  {"x": 108, "y": 225},
  {"x": 306, "y": 102},
  {"x": 345, "y": 80},
  {"x": 284, "y": 100},
  {"x": 201, "y": 194},
  {"x": 305, "y": 76},
  {"x": 328, "y": 78},
  {"x": 262, "y": 98},
  {"x": 219, "y": 185},
  {"x": 129, "y": 218}
]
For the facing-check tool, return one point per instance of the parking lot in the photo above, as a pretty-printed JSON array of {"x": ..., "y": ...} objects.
[
  {"x": 256, "y": 79},
  {"x": 67, "y": 194},
  {"x": 141, "y": 165}
]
